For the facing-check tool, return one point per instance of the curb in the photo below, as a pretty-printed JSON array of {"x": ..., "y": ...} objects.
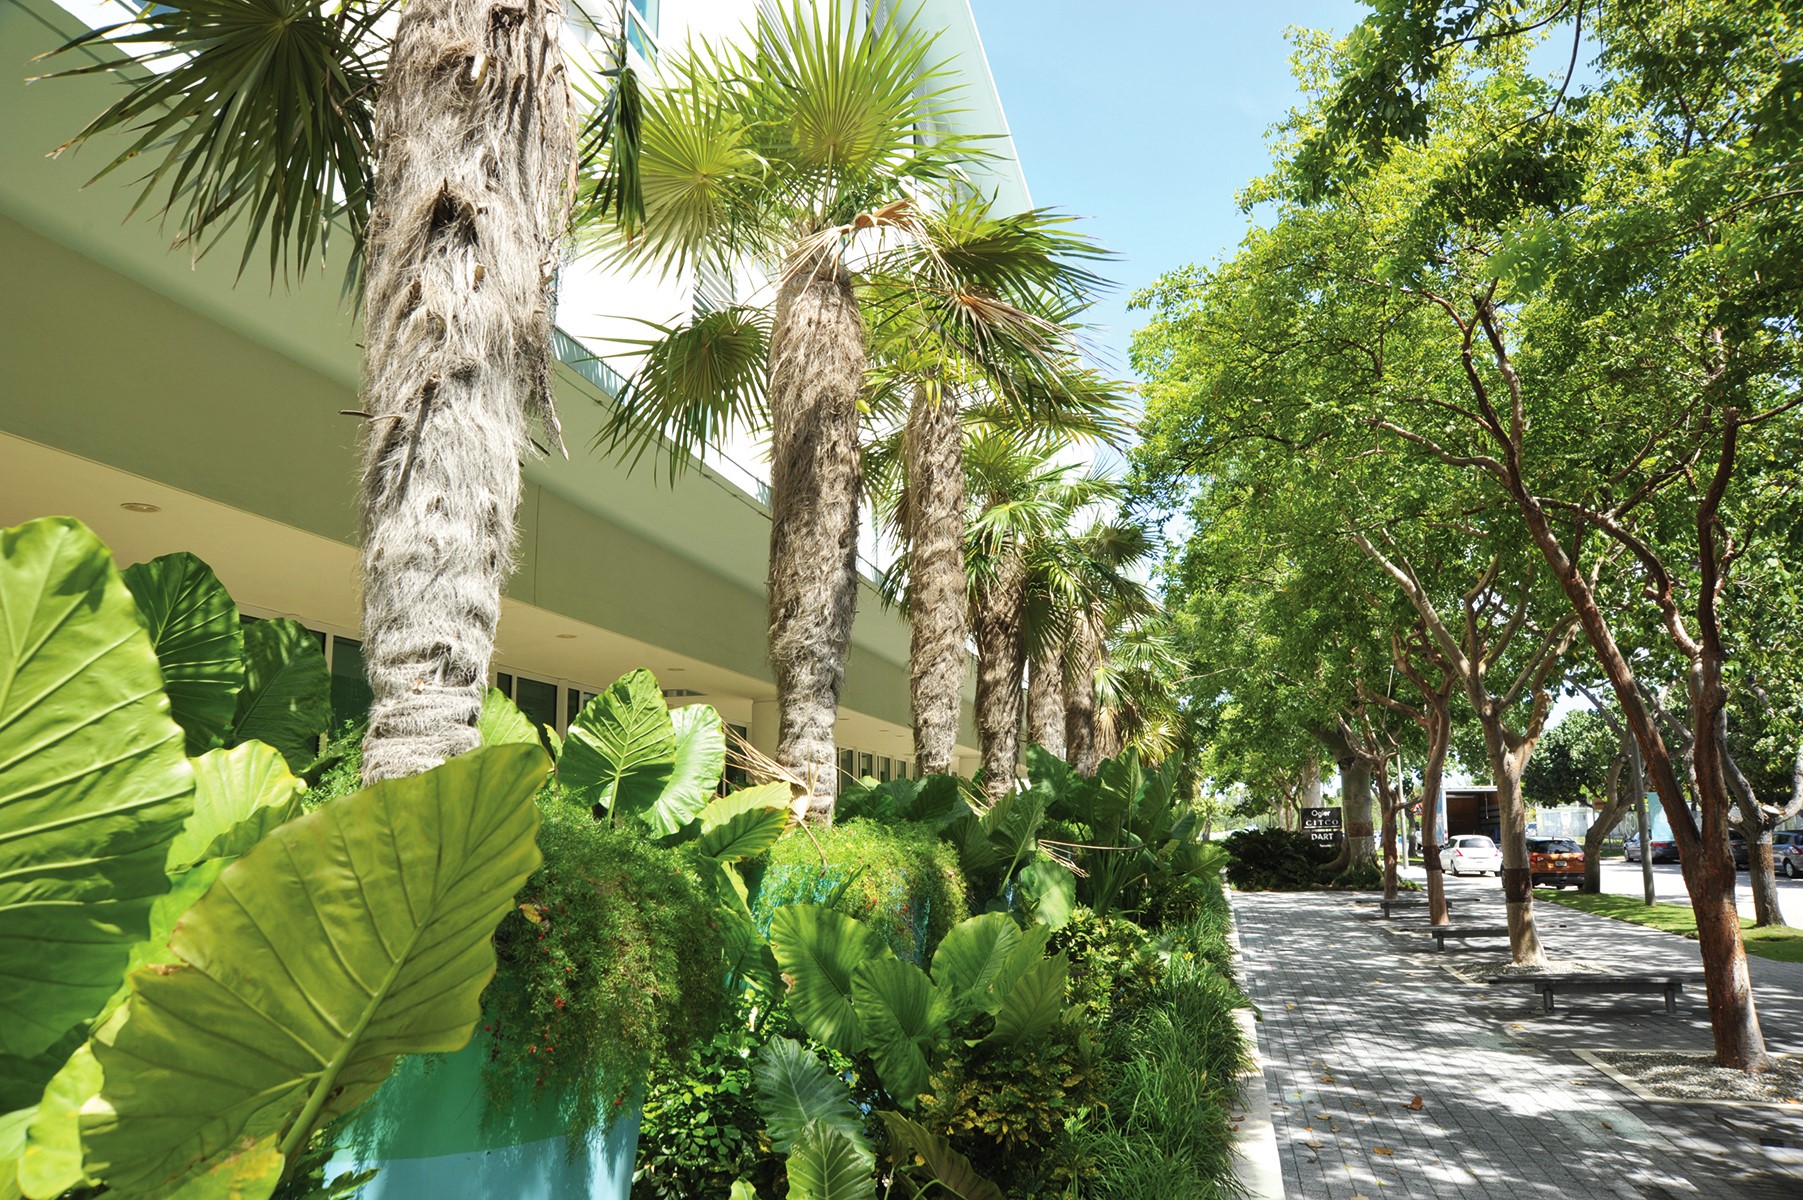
[{"x": 1256, "y": 1165}]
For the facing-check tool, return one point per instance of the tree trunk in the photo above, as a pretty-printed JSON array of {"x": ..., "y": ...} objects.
[
  {"x": 1045, "y": 701},
  {"x": 1360, "y": 846},
  {"x": 934, "y": 445},
  {"x": 1389, "y": 803},
  {"x": 1439, "y": 739},
  {"x": 477, "y": 158},
  {"x": 1080, "y": 697},
  {"x": 1001, "y": 661},
  {"x": 816, "y": 376},
  {"x": 1614, "y": 809},
  {"x": 1733, "y": 1018},
  {"x": 1311, "y": 782},
  {"x": 1756, "y": 825},
  {"x": 1506, "y": 764}
]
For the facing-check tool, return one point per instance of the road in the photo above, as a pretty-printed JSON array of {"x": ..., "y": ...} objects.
[{"x": 1623, "y": 879}]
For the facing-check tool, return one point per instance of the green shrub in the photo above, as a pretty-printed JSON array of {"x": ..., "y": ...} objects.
[
  {"x": 1113, "y": 965},
  {"x": 1273, "y": 860},
  {"x": 900, "y": 880},
  {"x": 612, "y": 963},
  {"x": 700, "y": 1128},
  {"x": 1007, "y": 1108}
]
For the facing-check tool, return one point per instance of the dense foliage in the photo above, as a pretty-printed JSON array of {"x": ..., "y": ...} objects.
[
  {"x": 609, "y": 968},
  {"x": 1274, "y": 860},
  {"x": 900, "y": 879}
]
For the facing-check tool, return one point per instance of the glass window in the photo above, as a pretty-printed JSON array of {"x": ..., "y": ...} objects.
[
  {"x": 736, "y": 775},
  {"x": 866, "y": 765},
  {"x": 882, "y": 768},
  {"x": 350, "y": 686},
  {"x": 504, "y": 681},
  {"x": 538, "y": 700},
  {"x": 848, "y": 764}
]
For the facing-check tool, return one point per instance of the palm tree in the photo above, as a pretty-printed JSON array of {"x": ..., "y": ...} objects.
[
  {"x": 915, "y": 474},
  {"x": 450, "y": 153},
  {"x": 814, "y": 149},
  {"x": 1022, "y": 505},
  {"x": 1084, "y": 589}
]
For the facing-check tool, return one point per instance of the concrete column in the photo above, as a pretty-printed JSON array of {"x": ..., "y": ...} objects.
[{"x": 766, "y": 729}]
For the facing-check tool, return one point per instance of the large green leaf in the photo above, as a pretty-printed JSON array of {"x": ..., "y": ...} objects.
[
  {"x": 820, "y": 949},
  {"x": 827, "y": 1164},
  {"x": 1048, "y": 891},
  {"x": 346, "y": 937},
  {"x": 1034, "y": 1003},
  {"x": 695, "y": 774},
  {"x": 942, "y": 1165},
  {"x": 287, "y": 696},
  {"x": 51, "y": 1162},
  {"x": 974, "y": 959},
  {"x": 502, "y": 723},
  {"x": 746, "y": 823},
  {"x": 199, "y": 643},
  {"x": 93, "y": 786},
  {"x": 904, "y": 1017},
  {"x": 795, "y": 1090},
  {"x": 620, "y": 751},
  {"x": 239, "y": 795},
  {"x": 748, "y": 957}
]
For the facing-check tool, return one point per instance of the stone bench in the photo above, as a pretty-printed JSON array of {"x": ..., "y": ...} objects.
[
  {"x": 1464, "y": 933},
  {"x": 1670, "y": 983},
  {"x": 1409, "y": 901}
]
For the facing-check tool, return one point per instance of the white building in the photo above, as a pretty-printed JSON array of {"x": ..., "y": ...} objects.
[{"x": 172, "y": 406}]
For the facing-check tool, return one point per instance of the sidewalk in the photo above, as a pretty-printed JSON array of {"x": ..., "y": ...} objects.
[{"x": 1360, "y": 1020}]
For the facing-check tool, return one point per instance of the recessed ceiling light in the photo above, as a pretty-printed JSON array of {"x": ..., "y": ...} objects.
[
  {"x": 674, "y": 670},
  {"x": 138, "y": 506},
  {"x": 568, "y": 637}
]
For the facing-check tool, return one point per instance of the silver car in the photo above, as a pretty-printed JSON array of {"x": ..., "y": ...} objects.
[
  {"x": 1787, "y": 852},
  {"x": 1470, "y": 854}
]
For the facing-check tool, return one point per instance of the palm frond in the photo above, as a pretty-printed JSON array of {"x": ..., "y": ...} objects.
[
  {"x": 260, "y": 111},
  {"x": 694, "y": 381}
]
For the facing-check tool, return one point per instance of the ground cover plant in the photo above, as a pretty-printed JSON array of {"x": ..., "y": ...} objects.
[{"x": 1779, "y": 942}]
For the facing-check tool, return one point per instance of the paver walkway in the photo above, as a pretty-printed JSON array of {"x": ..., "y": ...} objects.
[{"x": 1389, "y": 1077}]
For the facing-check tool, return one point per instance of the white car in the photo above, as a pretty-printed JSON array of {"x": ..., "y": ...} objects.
[{"x": 1470, "y": 854}]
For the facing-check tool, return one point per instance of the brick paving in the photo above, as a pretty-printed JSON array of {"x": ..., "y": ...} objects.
[{"x": 1361, "y": 1018}]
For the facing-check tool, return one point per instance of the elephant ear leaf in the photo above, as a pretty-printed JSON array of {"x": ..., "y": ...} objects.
[
  {"x": 695, "y": 773},
  {"x": 972, "y": 962},
  {"x": 795, "y": 1090},
  {"x": 828, "y": 1165},
  {"x": 904, "y": 1019},
  {"x": 287, "y": 696},
  {"x": 503, "y": 724},
  {"x": 94, "y": 785},
  {"x": 1034, "y": 1003},
  {"x": 239, "y": 795},
  {"x": 746, "y": 823},
  {"x": 620, "y": 751},
  {"x": 820, "y": 949},
  {"x": 910, "y": 1142},
  {"x": 344, "y": 938},
  {"x": 199, "y": 643}
]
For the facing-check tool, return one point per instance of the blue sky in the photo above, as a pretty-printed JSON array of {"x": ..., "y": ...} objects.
[{"x": 1146, "y": 116}]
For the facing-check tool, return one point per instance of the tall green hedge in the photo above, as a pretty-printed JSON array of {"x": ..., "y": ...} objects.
[{"x": 899, "y": 879}]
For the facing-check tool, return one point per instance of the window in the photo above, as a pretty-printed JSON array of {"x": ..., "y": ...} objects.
[
  {"x": 848, "y": 764},
  {"x": 538, "y": 700},
  {"x": 350, "y": 686},
  {"x": 866, "y": 766},
  {"x": 882, "y": 768},
  {"x": 736, "y": 774}
]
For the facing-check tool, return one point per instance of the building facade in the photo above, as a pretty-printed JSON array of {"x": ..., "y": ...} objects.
[{"x": 173, "y": 405}]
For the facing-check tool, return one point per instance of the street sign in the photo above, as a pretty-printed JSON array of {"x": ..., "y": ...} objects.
[{"x": 1322, "y": 825}]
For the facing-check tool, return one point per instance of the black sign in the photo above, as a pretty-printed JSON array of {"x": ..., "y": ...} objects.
[{"x": 1322, "y": 824}]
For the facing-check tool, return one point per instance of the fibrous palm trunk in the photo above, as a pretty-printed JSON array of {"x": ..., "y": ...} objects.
[
  {"x": 934, "y": 445},
  {"x": 998, "y": 617},
  {"x": 1080, "y": 697},
  {"x": 816, "y": 372},
  {"x": 476, "y": 159},
  {"x": 1045, "y": 700}
]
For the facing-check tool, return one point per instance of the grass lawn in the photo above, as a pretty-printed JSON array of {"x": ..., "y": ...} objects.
[{"x": 1781, "y": 943}]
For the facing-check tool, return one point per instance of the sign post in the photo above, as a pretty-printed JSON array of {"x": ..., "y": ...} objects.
[{"x": 1322, "y": 825}]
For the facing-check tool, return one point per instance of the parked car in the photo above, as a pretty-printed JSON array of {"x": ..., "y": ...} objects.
[
  {"x": 1663, "y": 849},
  {"x": 1787, "y": 852},
  {"x": 1555, "y": 862},
  {"x": 1470, "y": 854},
  {"x": 1738, "y": 844}
]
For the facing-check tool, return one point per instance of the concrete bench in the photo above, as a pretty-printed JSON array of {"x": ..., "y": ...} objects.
[
  {"x": 1465, "y": 933},
  {"x": 1670, "y": 983},
  {"x": 1410, "y": 901}
]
